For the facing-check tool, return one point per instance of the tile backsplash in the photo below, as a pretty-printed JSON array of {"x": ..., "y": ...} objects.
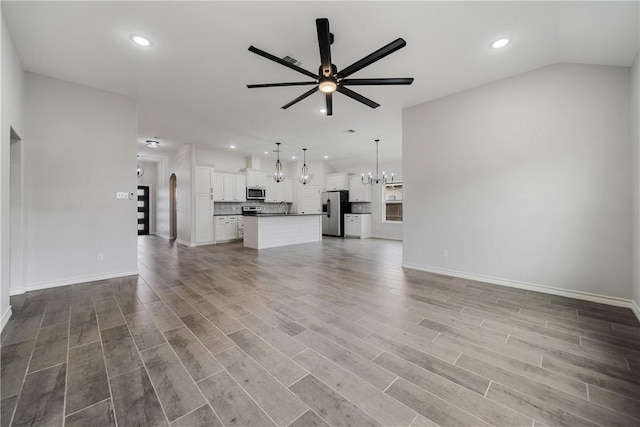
[
  {"x": 361, "y": 207},
  {"x": 222, "y": 208}
]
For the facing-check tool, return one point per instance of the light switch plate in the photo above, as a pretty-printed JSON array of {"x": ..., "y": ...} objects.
[{"x": 122, "y": 195}]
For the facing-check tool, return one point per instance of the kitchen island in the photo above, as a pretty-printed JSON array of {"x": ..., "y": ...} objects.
[{"x": 273, "y": 230}]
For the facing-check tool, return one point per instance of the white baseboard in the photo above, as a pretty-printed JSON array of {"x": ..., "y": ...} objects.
[
  {"x": 5, "y": 318},
  {"x": 71, "y": 281},
  {"x": 585, "y": 296},
  {"x": 164, "y": 236},
  {"x": 182, "y": 242},
  {"x": 635, "y": 308}
]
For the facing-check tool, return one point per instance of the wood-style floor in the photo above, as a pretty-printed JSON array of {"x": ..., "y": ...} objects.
[{"x": 333, "y": 333}]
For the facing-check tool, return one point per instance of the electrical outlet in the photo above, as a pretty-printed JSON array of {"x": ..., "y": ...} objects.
[
  {"x": 131, "y": 195},
  {"x": 99, "y": 257},
  {"x": 445, "y": 253}
]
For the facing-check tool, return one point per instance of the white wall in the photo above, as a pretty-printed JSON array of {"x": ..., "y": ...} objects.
[
  {"x": 635, "y": 143},
  {"x": 12, "y": 116},
  {"x": 525, "y": 180},
  {"x": 224, "y": 161},
  {"x": 379, "y": 228},
  {"x": 150, "y": 179},
  {"x": 80, "y": 151}
]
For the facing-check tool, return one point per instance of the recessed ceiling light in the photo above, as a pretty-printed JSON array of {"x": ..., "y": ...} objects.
[
  {"x": 293, "y": 157},
  {"x": 323, "y": 110},
  {"x": 500, "y": 43},
  {"x": 326, "y": 157},
  {"x": 139, "y": 40},
  {"x": 266, "y": 152},
  {"x": 232, "y": 146}
]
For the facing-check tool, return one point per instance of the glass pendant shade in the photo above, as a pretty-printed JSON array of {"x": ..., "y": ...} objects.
[
  {"x": 305, "y": 177},
  {"x": 278, "y": 174}
]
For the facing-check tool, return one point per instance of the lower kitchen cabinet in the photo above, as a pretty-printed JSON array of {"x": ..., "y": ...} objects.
[
  {"x": 357, "y": 225},
  {"x": 227, "y": 228}
]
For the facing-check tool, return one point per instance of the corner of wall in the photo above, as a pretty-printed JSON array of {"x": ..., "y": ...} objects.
[{"x": 635, "y": 162}]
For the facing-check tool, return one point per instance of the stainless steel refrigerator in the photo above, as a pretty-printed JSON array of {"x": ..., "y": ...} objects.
[{"x": 334, "y": 205}]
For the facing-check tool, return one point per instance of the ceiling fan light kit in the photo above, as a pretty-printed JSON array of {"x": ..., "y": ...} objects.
[{"x": 328, "y": 79}]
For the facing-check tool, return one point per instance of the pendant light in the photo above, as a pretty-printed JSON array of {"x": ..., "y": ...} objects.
[
  {"x": 377, "y": 180},
  {"x": 278, "y": 174},
  {"x": 305, "y": 178}
]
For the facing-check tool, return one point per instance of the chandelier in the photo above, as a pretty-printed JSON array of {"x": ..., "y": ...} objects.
[
  {"x": 305, "y": 177},
  {"x": 370, "y": 179},
  {"x": 278, "y": 175}
]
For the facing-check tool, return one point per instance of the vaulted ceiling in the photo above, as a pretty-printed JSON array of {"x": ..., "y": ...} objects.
[{"x": 191, "y": 83}]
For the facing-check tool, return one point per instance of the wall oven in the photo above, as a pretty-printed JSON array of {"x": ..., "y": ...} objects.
[{"x": 255, "y": 193}]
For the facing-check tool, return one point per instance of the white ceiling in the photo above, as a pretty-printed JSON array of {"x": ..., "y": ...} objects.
[{"x": 190, "y": 84}]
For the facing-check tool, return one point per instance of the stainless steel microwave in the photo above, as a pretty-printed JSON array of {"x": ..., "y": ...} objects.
[{"x": 255, "y": 193}]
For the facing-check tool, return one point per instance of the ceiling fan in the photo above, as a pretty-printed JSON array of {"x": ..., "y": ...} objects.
[{"x": 329, "y": 79}]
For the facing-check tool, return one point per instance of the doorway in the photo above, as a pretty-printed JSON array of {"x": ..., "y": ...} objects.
[
  {"x": 143, "y": 210},
  {"x": 173, "y": 213}
]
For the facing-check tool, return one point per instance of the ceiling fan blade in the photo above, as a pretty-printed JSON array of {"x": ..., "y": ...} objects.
[
  {"x": 329, "y": 104},
  {"x": 377, "y": 82},
  {"x": 351, "y": 94},
  {"x": 282, "y": 62},
  {"x": 301, "y": 97},
  {"x": 324, "y": 42},
  {"x": 282, "y": 84},
  {"x": 373, "y": 57}
]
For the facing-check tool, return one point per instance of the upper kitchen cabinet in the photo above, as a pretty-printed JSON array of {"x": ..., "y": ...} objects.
[
  {"x": 256, "y": 179},
  {"x": 277, "y": 192},
  {"x": 218, "y": 187},
  {"x": 204, "y": 179},
  {"x": 357, "y": 191},
  {"x": 337, "y": 181},
  {"x": 229, "y": 188}
]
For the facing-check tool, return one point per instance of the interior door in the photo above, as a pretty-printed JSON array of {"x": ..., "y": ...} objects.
[{"x": 143, "y": 210}]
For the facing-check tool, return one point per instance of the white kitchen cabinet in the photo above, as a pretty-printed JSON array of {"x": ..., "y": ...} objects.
[
  {"x": 218, "y": 187},
  {"x": 229, "y": 188},
  {"x": 357, "y": 191},
  {"x": 357, "y": 225},
  {"x": 204, "y": 179},
  {"x": 204, "y": 205},
  {"x": 256, "y": 179},
  {"x": 240, "y": 188},
  {"x": 337, "y": 181},
  {"x": 276, "y": 192},
  {"x": 240, "y": 233},
  {"x": 204, "y": 219},
  {"x": 310, "y": 200},
  {"x": 226, "y": 228}
]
